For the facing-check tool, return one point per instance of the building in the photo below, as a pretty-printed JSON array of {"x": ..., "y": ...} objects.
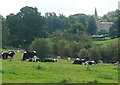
[{"x": 102, "y": 25}]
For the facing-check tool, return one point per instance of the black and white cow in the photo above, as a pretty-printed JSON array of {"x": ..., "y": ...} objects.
[
  {"x": 4, "y": 55},
  {"x": 28, "y": 55},
  {"x": 8, "y": 55},
  {"x": 90, "y": 63},
  {"x": 33, "y": 60},
  {"x": 79, "y": 61},
  {"x": 50, "y": 60}
]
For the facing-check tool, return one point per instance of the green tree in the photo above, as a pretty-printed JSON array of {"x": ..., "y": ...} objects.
[
  {"x": 61, "y": 47},
  {"x": 25, "y": 26},
  {"x": 5, "y": 35},
  {"x": 55, "y": 22},
  {"x": 94, "y": 54},
  {"x": 83, "y": 54},
  {"x": 43, "y": 47},
  {"x": 92, "y": 26}
]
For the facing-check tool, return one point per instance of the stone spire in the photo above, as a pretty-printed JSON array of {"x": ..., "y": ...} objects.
[{"x": 96, "y": 12}]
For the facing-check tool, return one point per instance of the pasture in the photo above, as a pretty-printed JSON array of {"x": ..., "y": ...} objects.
[
  {"x": 63, "y": 71},
  {"x": 99, "y": 43}
]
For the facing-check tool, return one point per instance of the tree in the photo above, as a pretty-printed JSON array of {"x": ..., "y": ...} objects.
[
  {"x": 83, "y": 54},
  {"x": 92, "y": 25},
  {"x": 61, "y": 47},
  {"x": 114, "y": 30},
  {"x": 25, "y": 26},
  {"x": 78, "y": 18},
  {"x": 43, "y": 47},
  {"x": 94, "y": 54},
  {"x": 55, "y": 22}
]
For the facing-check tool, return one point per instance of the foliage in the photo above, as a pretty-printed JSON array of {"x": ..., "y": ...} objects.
[
  {"x": 106, "y": 51},
  {"x": 5, "y": 34},
  {"x": 25, "y": 25},
  {"x": 92, "y": 25},
  {"x": 43, "y": 47},
  {"x": 113, "y": 16},
  {"x": 83, "y": 54},
  {"x": 55, "y": 22}
]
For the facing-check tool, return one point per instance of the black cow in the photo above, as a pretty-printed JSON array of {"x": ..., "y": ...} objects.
[
  {"x": 7, "y": 55},
  {"x": 90, "y": 63},
  {"x": 28, "y": 54},
  {"x": 77, "y": 61},
  {"x": 50, "y": 60}
]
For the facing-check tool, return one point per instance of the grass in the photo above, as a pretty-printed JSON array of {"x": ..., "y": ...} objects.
[
  {"x": 99, "y": 43},
  {"x": 63, "y": 71}
]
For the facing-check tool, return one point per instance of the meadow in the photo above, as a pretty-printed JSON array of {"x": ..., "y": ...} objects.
[
  {"x": 63, "y": 71},
  {"x": 99, "y": 43}
]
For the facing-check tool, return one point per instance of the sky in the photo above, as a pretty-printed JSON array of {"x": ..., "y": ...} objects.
[{"x": 67, "y": 7}]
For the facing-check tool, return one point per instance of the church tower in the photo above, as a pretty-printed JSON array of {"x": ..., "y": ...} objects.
[
  {"x": 96, "y": 13},
  {"x": 96, "y": 18}
]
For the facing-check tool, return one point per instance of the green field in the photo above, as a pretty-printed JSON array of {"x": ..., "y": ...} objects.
[
  {"x": 99, "y": 43},
  {"x": 63, "y": 71}
]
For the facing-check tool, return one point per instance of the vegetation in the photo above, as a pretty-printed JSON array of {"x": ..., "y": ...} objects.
[
  {"x": 23, "y": 28},
  {"x": 43, "y": 47},
  {"x": 99, "y": 43}
]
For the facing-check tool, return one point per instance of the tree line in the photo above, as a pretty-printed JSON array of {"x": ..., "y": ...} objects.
[
  {"x": 19, "y": 30},
  {"x": 52, "y": 34}
]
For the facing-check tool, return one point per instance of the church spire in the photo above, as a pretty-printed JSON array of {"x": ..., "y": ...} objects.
[{"x": 96, "y": 12}]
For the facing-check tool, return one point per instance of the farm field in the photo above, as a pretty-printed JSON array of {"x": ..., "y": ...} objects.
[
  {"x": 99, "y": 43},
  {"x": 63, "y": 71}
]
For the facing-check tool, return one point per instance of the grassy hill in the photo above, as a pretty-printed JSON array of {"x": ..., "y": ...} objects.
[
  {"x": 61, "y": 72},
  {"x": 99, "y": 43}
]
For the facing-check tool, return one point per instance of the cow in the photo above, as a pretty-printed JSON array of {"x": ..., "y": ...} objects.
[
  {"x": 90, "y": 63},
  {"x": 8, "y": 55},
  {"x": 58, "y": 57},
  {"x": 32, "y": 60},
  {"x": 4, "y": 55},
  {"x": 113, "y": 62},
  {"x": 28, "y": 55},
  {"x": 68, "y": 58},
  {"x": 50, "y": 60},
  {"x": 79, "y": 61}
]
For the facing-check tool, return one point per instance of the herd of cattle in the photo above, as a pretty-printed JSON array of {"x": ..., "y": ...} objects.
[{"x": 31, "y": 56}]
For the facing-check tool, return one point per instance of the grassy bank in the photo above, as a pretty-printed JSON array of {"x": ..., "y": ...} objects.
[{"x": 99, "y": 43}]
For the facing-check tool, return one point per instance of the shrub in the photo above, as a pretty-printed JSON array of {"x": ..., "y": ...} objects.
[{"x": 43, "y": 47}]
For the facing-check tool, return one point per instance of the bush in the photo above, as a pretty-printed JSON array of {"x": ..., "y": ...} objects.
[{"x": 43, "y": 47}]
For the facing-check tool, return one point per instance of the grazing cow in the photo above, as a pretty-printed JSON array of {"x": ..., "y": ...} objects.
[
  {"x": 90, "y": 63},
  {"x": 100, "y": 61},
  {"x": 11, "y": 54},
  {"x": 50, "y": 60},
  {"x": 8, "y": 55},
  {"x": 113, "y": 62},
  {"x": 79, "y": 61},
  {"x": 58, "y": 57},
  {"x": 28, "y": 54},
  {"x": 69, "y": 58},
  {"x": 32, "y": 60},
  {"x": 4, "y": 55}
]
